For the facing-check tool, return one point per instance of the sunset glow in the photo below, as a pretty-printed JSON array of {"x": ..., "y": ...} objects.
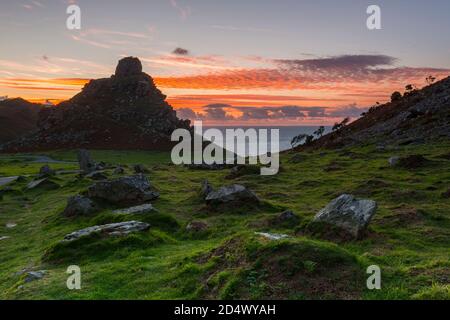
[{"x": 230, "y": 76}]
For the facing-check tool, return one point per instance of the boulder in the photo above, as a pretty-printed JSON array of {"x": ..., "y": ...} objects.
[
  {"x": 393, "y": 161},
  {"x": 144, "y": 208},
  {"x": 4, "y": 237},
  {"x": 206, "y": 188},
  {"x": 196, "y": 226},
  {"x": 131, "y": 190},
  {"x": 7, "y": 180},
  {"x": 297, "y": 158},
  {"x": 412, "y": 161},
  {"x": 348, "y": 213},
  {"x": 11, "y": 225},
  {"x": 35, "y": 275},
  {"x": 203, "y": 166},
  {"x": 139, "y": 168},
  {"x": 287, "y": 216},
  {"x": 46, "y": 171},
  {"x": 97, "y": 175},
  {"x": 80, "y": 206},
  {"x": 232, "y": 194},
  {"x": 119, "y": 170},
  {"x": 272, "y": 236},
  {"x": 87, "y": 165},
  {"x": 42, "y": 183},
  {"x": 112, "y": 229}
]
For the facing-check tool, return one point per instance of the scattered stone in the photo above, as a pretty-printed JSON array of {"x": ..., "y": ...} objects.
[
  {"x": 204, "y": 166},
  {"x": 11, "y": 225},
  {"x": 101, "y": 166},
  {"x": 348, "y": 213},
  {"x": 393, "y": 161},
  {"x": 144, "y": 208},
  {"x": 119, "y": 170},
  {"x": 242, "y": 170},
  {"x": 286, "y": 216},
  {"x": 196, "y": 226},
  {"x": 402, "y": 217},
  {"x": 234, "y": 193},
  {"x": 272, "y": 236},
  {"x": 333, "y": 166},
  {"x": 87, "y": 165},
  {"x": 79, "y": 206},
  {"x": 46, "y": 171},
  {"x": 97, "y": 175},
  {"x": 139, "y": 168},
  {"x": 63, "y": 172},
  {"x": 131, "y": 190},
  {"x": 297, "y": 158},
  {"x": 206, "y": 188},
  {"x": 7, "y": 180},
  {"x": 446, "y": 194},
  {"x": 112, "y": 229},
  {"x": 4, "y": 238},
  {"x": 42, "y": 183},
  {"x": 35, "y": 275},
  {"x": 412, "y": 162}
]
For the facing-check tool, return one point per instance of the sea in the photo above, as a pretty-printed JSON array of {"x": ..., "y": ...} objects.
[{"x": 286, "y": 133}]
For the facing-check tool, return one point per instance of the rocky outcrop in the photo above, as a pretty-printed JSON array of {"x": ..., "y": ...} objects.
[
  {"x": 196, "y": 226},
  {"x": 139, "y": 168},
  {"x": 417, "y": 117},
  {"x": 34, "y": 275},
  {"x": 125, "y": 111},
  {"x": 348, "y": 213},
  {"x": 46, "y": 171},
  {"x": 112, "y": 229},
  {"x": 206, "y": 189},
  {"x": 234, "y": 194},
  {"x": 132, "y": 190},
  {"x": 142, "y": 209},
  {"x": 272, "y": 236},
  {"x": 7, "y": 180},
  {"x": 42, "y": 183},
  {"x": 87, "y": 165},
  {"x": 80, "y": 206}
]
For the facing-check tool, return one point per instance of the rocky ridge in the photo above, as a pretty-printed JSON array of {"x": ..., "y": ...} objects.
[{"x": 125, "y": 111}]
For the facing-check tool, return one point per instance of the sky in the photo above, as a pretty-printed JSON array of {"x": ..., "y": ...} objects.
[{"x": 255, "y": 62}]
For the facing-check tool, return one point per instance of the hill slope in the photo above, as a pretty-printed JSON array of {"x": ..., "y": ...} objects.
[
  {"x": 17, "y": 118},
  {"x": 417, "y": 117}
]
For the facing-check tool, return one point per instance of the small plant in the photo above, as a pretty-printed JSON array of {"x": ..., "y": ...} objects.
[
  {"x": 410, "y": 89},
  {"x": 396, "y": 96},
  {"x": 342, "y": 124},
  {"x": 297, "y": 140},
  {"x": 430, "y": 80},
  {"x": 319, "y": 132},
  {"x": 310, "y": 266}
]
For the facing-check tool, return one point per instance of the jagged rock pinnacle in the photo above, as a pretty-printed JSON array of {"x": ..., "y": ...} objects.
[{"x": 129, "y": 66}]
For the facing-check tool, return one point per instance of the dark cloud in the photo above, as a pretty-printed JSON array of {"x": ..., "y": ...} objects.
[
  {"x": 348, "y": 62},
  {"x": 180, "y": 51},
  {"x": 186, "y": 113},
  {"x": 352, "y": 111},
  {"x": 223, "y": 112}
]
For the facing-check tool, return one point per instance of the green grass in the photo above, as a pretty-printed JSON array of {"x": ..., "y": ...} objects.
[{"x": 408, "y": 238}]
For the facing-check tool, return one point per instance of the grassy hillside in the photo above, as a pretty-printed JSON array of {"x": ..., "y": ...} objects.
[{"x": 408, "y": 238}]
